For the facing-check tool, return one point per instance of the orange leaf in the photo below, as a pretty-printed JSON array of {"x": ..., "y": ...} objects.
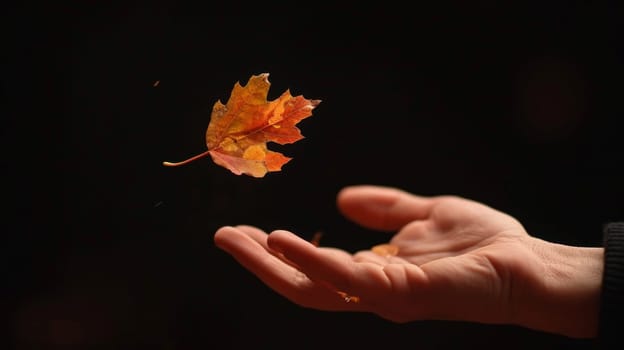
[{"x": 239, "y": 130}]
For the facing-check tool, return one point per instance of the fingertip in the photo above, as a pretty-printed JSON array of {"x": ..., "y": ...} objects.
[
  {"x": 380, "y": 207},
  {"x": 367, "y": 205},
  {"x": 356, "y": 194},
  {"x": 350, "y": 190},
  {"x": 277, "y": 238},
  {"x": 223, "y": 230},
  {"x": 222, "y": 234},
  {"x": 286, "y": 242}
]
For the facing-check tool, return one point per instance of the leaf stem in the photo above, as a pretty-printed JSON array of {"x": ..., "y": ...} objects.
[{"x": 201, "y": 155}]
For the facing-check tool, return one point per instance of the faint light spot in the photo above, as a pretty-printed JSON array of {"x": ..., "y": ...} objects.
[{"x": 551, "y": 99}]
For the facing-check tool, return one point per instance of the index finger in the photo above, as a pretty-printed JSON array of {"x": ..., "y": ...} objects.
[
  {"x": 280, "y": 276},
  {"x": 334, "y": 268}
]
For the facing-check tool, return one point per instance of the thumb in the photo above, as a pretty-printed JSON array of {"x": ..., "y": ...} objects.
[{"x": 382, "y": 208}]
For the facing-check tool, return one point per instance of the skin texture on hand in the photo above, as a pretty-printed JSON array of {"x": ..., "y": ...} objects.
[{"x": 457, "y": 259}]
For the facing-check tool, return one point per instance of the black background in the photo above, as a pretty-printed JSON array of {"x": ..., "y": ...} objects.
[{"x": 516, "y": 106}]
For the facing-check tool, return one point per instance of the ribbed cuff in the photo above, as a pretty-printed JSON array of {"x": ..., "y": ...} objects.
[{"x": 612, "y": 298}]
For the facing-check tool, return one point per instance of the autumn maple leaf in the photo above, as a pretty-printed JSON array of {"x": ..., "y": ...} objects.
[{"x": 238, "y": 131}]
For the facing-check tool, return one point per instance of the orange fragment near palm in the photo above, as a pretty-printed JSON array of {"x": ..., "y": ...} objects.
[
  {"x": 239, "y": 130},
  {"x": 348, "y": 298},
  {"x": 316, "y": 239},
  {"x": 385, "y": 250}
]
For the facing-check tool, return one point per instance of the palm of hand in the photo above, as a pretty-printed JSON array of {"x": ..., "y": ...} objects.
[
  {"x": 458, "y": 250},
  {"x": 455, "y": 226},
  {"x": 455, "y": 258}
]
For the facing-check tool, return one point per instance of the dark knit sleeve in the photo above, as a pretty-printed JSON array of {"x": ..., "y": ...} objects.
[{"x": 612, "y": 298}]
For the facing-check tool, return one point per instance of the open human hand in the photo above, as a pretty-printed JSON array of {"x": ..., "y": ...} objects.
[{"x": 457, "y": 259}]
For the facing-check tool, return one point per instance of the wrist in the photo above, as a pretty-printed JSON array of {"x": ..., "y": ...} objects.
[{"x": 565, "y": 298}]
